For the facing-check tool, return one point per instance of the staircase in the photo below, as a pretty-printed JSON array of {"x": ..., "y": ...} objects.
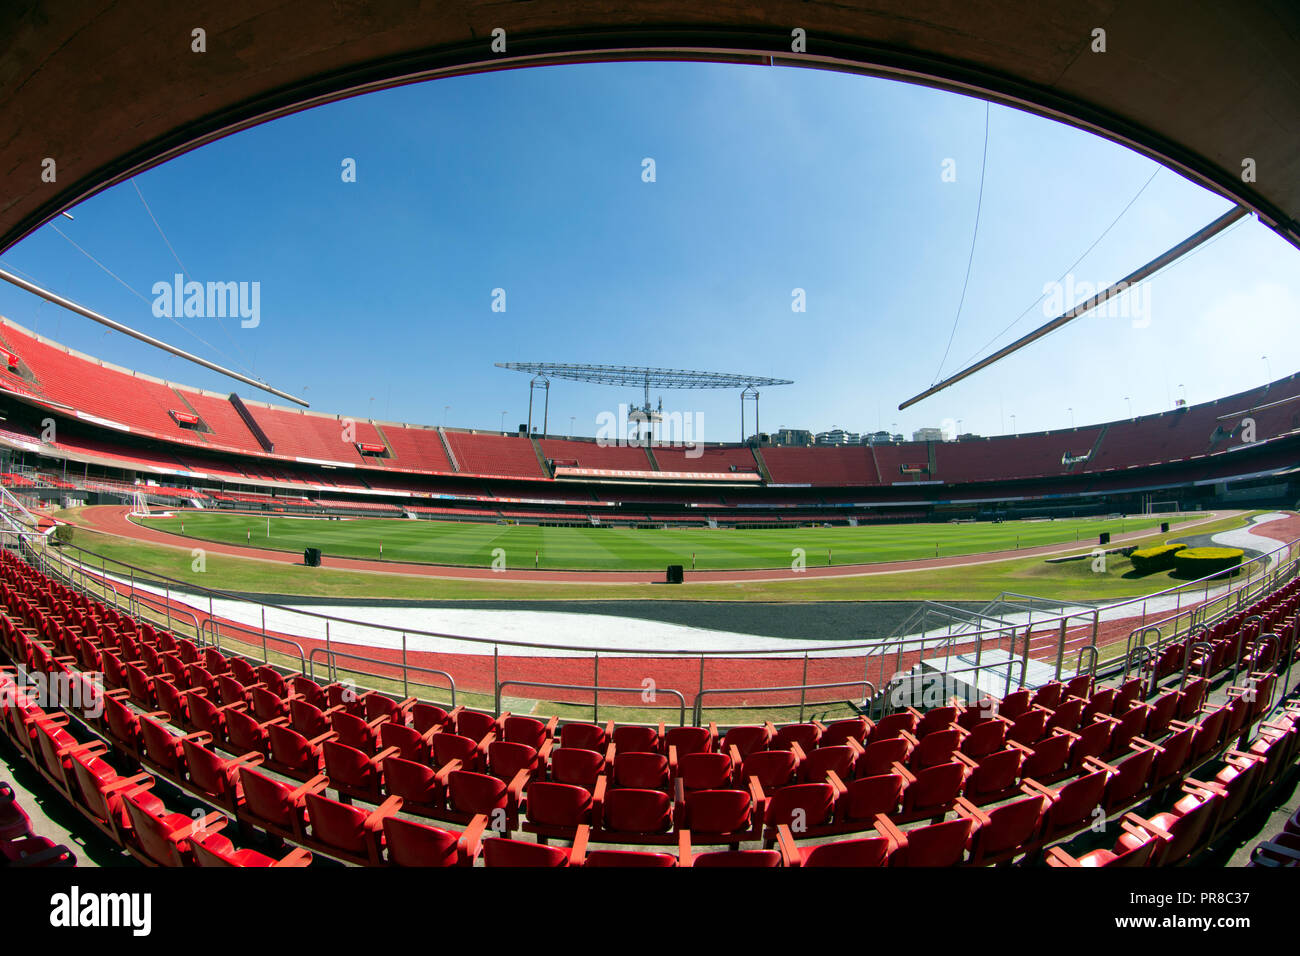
[
  {"x": 446, "y": 446},
  {"x": 654, "y": 462},
  {"x": 384, "y": 438},
  {"x": 762, "y": 465},
  {"x": 541, "y": 458},
  {"x": 1092, "y": 452}
]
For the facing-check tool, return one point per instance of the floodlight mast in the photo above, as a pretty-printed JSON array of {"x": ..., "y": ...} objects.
[{"x": 645, "y": 377}]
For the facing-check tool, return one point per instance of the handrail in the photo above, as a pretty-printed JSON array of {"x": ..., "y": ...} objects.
[
  {"x": 214, "y": 625},
  {"x": 148, "y": 588},
  {"x": 1078, "y": 660},
  {"x": 595, "y": 695},
  {"x": 330, "y": 654},
  {"x": 1140, "y": 650},
  {"x": 697, "y": 713},
  {"x": 1142, "y": 642},
  {"x": 1187, "y": 660},
  {"x": 638, "y": 651}
]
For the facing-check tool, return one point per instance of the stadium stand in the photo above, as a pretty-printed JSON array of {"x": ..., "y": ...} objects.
[
  {"x": 705, "y": 459},
  {"x": 416, "y": 449},
  {"x": 1232, "y": 436},
  {"x": 993, "y": 782},
  {"x": 591, "y": 454},
  {"x": 494, "y": 454}
]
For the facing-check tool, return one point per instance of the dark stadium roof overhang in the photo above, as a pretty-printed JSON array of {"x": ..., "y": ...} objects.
[{"x": 107, "y": 88}]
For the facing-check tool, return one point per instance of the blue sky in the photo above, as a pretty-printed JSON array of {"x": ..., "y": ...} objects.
[{"x": 377, "y": 294}]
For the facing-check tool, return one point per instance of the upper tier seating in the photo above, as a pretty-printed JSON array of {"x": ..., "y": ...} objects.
[
  {"x": 589, "y": 454},
  {"x": 705, "y": 459},
  {"x": 495, "y": 454},
  {"x": 48, "y": 372}
]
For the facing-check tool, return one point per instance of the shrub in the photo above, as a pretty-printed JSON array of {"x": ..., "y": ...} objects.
[
  {"x": 1158, "y": 558},
  {"x": 1203, "y": 562}
]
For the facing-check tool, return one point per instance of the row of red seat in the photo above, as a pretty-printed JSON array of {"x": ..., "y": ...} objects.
[
  {"x": 1282, "y": 849},
  {"x": 367, "y": 742},
  {"x": 19, "y": 844}
]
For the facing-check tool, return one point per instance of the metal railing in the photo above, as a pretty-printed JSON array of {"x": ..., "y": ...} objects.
[
  {"x": 697, "y": 713},
  {"x": 596, "y": 690},
  {"x": 294, "y": 630}
]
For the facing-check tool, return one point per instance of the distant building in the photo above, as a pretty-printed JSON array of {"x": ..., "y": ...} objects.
[
  {"x": 838, "y": 436},
  {"x": 877, "y": 438},
  {"x": 797, "y": 437},
  {"x": 928, "y": 434}
]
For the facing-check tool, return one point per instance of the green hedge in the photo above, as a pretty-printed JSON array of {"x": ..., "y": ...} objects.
[
  {"x": 1202, "y": 562},
  {"x": 1158, "y": 558}
]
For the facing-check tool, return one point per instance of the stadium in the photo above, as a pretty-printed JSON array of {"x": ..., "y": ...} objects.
[{"x": 239, "y": 632}]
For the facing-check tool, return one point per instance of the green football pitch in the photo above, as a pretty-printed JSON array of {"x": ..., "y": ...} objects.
[{"x": 635, "y": 549}]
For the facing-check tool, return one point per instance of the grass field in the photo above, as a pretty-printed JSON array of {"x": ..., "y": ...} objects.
[
  {"x": 634, "y": 549},
  {"x": 1031, "y": 575}
]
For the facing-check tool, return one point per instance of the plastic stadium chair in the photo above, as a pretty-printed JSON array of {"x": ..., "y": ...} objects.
[
  {"x": 276, "y": 807},
  {"x": 411, "y": 744},
  {"x": 558, "y": 809},
  {"x": 408, "y": 843},
  {"x": 635, "y": 739},
  {"x": 470, "y": 794},
  {"x": 814, "y": 765},
  {"x": 1137, "y": 853},
  {"x": 1006, "y": 831},
  {"x": 216, "y": 778},
  {"x": 1072, "y": 806},
  {"x": 528, "y": 731},
  {"x": 808, "y": 736},
  {"x": 426, "y": 717},
  {"x": 880, "y": 756},
  {"x": 212, "y": 849},
  {"x": 641, "y": 771},
  {"x": 1047, "y": 760},
  {"x": 1130, "y": 779},
  {"x": 347, "y": 832},
  {"x": 573, "y": 765},
  {"x": 633, "y": 816},
  {"x": 423, "y": 789},
  {"x": 712, "y": 771},
  {"x": 581, "y": 856},
  {"x": 984, "y": 738},
  {"x": 720, "y": 816},
  {"x": 807, "y": 808},
  {"x": 589, "y": 736},
  {"x": 161, "y": 838},
  {"x": 471, "y": 753},
  {"x": 1178, "y": 831},
  {"x": 993, "y": 777},
  {"x": 354, "y": 773},
  {"x": 931, "y": 792},
  {"x": 735, "y": 859},
  {"x": 292, "y": 754},
  {"x": 745, "y": 740},
  {"x": 866, "y": 852},
  {"x": 500, "y": 851},
  {"x": 868, "y": 797},
  {"x": 477, "y": 725},
  {"x": 938, "y": 844},
  {"x": 840, "y": 731},
  {"x": 506, "y": 759},
  {"x": 939, "y": 718},
  {"x": 692, "y": 740}
]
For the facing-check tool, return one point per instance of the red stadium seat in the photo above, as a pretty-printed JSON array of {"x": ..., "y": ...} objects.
[{"x": 408, "y": 843}]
